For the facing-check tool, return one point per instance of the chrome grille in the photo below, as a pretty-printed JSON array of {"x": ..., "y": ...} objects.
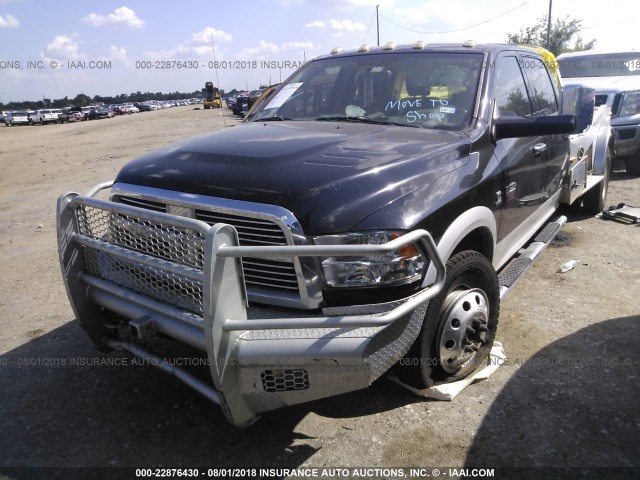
[
  {"x": 143, "y": 203},
  {"x": 252, "y": 231},
  {"x": 278, "y": 274}
]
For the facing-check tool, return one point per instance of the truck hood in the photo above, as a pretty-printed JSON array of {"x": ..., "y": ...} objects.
[{"x": 329, "y": 175}]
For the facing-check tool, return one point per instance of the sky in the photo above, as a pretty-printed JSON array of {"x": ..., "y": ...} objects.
[{"x": 55, "y": 49}]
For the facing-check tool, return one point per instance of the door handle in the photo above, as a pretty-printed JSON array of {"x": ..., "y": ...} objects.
[{"x": 538, "y": 148}]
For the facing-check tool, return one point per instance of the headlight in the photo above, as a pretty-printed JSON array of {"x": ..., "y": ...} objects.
[
  {"x": 630, "y": 104},
  {"x": 396, "y": 268}
]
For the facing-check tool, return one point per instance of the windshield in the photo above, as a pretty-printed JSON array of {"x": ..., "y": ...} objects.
[
  {"x": 422, "y": 89},
  {"x": 601, "y": 65}
]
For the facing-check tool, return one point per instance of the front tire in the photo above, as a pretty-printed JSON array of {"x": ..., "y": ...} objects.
[{"x": 459, "y": 325}]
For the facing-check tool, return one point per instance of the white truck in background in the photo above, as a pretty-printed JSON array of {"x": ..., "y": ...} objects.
[
  {"x": 615, "y": 76},
  {"x": 589, "y": 151}
]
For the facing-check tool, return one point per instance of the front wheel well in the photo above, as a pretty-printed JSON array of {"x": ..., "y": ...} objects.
[{"x": 478, "y": 240}]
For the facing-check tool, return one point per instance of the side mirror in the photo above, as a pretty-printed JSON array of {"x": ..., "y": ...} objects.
[{"x": 579, "y": 100}]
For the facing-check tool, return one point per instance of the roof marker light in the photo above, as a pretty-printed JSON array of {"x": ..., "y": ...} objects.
[
  {"x": 420, "y": 44},
  {"x": 336, "y": 50},
  {"x": 469, "y": 44},
  {"x": 389, "y": 46}
]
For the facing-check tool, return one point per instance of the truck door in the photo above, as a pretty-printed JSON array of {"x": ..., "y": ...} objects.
[
  {"x": 544, "y": 98},
  {"x": 522, "y": 160}
]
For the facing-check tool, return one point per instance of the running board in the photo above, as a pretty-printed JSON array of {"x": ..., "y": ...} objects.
[{"x": 514, "y": 270}]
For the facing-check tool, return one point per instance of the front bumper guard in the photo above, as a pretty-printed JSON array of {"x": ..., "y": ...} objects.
[{"x": 256, "y": 364}]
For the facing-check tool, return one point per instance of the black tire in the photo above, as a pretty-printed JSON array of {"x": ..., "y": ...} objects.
[
  {"x": 595, "y": 199},
  {"x": 632, "y": 165},
  {"x": 459, "y": 325}
]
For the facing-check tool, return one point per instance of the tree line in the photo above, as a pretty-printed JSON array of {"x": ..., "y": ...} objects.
[
  {"x": 82, "y": 100},
  {"x": 563, "y": 37}
]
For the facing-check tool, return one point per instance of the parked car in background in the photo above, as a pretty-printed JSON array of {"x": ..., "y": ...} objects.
[
  {"x": 241, "y": 104},
  {"x": 96, "y": 113},
  {"x": 232, "y": 102},
  {"x": 108, "y": 111},
  {"x": 76, "y": 114},
  {"x": 257, "y": 103},
  {"x": 63, "y": 115},
  {"x": 35, "y": 117},
  {"x": 43, "y": 116},
  {"x": 142, "y": 107},
  {"x": 17, "y": 118},
  {"x": 616, "y": 78},
  {"x": 86, "y": 112}
]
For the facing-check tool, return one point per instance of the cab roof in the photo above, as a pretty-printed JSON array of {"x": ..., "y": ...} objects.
[{"x": 466, "y": 47}]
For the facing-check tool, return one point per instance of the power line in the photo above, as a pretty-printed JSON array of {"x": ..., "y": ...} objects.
[
  {"x": 370, "y": 23},
  {"x": 458, "y": 29}
]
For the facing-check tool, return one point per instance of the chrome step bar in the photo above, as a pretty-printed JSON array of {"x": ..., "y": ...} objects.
[{"x": 513, "y": 271}]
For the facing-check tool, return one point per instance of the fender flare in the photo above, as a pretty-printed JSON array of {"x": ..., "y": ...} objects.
[
  {"x": 600, "y": 149},
  {"x": 463, "y": 225}
]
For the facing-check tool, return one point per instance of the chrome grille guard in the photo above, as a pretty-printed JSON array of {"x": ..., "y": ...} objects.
[{"x": 144, "y": 278}]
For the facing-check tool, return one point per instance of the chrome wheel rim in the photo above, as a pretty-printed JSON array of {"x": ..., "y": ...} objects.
[{"x": 464, "y": 330}]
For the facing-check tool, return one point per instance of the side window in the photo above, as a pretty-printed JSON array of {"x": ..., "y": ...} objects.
[
  {"x": 312, "y": 98},
  {"x": 542, "y": 92},
  {"x": 509, "y": 88}
]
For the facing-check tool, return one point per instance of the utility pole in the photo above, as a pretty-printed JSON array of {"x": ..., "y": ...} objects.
[
  {"x": 378, "y": 23},
  {"x": 549, "y": 26}
]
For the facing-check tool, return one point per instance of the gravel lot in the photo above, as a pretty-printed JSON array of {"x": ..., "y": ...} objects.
[{"x": 567, "y": 397}]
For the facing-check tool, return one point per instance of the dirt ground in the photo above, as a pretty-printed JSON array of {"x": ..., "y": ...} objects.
[{"x": 567, "y": 397}]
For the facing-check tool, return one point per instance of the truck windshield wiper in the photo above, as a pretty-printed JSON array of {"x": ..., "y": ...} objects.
[
  {"x": 372, "y": 121},
  {"x": 275, "y": 118}
]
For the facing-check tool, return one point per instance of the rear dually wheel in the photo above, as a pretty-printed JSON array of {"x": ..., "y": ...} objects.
[{"x": 594, "y": 200}]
